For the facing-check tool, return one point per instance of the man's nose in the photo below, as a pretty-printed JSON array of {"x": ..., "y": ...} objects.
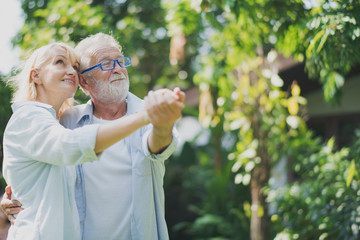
[{"x": 119, "y": 69}]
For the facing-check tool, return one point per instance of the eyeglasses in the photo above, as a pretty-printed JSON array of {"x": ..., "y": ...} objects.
[{"x": 107, "y": 65}]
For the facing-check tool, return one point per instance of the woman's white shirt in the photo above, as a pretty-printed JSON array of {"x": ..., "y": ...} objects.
[{"x": 39, "y": 159}]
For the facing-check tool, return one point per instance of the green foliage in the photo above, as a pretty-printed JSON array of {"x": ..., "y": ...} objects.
[
  {"x": 211, "y": 226},
  {"x": 5, "y": 113},
  {"x": 138, "y": 25},
  {"x": 182, "y": 17},
  {"x": 354, "y": 169},
  {"x": 65, "y": 21},
  {"x": 239, "y": 89},
  {"x": 5, "y": 109},
  {"x": 217, "y": 206},
  {"x": 321, "y": 201},
  {"x": 327, "y": 38}
]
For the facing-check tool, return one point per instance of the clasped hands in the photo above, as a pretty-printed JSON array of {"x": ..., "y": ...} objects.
[{"x": 164, "y": 106}]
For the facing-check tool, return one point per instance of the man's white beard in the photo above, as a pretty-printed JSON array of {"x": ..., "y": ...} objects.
[{"x": 108, "y": 92}]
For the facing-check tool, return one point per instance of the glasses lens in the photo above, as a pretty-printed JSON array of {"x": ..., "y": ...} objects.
[
  {"x": 124, "y": 61},
  {"x": 107, "y": 64}
]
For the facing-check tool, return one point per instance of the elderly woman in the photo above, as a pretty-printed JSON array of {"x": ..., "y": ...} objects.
[{"x": 39, "y": 152}]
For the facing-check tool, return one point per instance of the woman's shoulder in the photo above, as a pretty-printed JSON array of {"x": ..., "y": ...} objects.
[
  {"x": 27, "y": 112},
  {"x": 32, "y": 107}
]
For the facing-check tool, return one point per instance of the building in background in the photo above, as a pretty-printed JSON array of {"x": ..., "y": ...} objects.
[{"x": 325, "y": 120}]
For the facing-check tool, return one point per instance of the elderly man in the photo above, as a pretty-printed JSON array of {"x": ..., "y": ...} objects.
[{"x": 120, "y": 196}]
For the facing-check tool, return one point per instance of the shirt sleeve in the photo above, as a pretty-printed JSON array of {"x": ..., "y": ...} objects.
[
  {"x": 38, "y": 135},
  {"x": 165, "y": 154}
]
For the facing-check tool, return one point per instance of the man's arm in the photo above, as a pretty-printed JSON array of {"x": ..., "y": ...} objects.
[
  {"x": 10, "y": 207},
  {"x": 164, "y": 108}
]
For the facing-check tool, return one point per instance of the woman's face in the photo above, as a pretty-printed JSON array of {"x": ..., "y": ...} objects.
[{"x": 59, "y": 75}]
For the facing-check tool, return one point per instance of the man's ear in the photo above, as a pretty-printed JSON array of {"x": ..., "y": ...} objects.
[
  {"x": 84, "y": 81},
  {"x": 34, "y": 75}
]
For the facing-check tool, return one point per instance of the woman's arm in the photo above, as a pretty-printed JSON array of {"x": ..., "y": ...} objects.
[{"x": 110, "y": 133}]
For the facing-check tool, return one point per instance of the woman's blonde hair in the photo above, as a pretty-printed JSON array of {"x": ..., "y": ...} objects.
[{"x": 25, "y": 87}]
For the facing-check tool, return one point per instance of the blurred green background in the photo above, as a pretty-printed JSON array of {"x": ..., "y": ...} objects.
[{"x": 270, "y": 145}]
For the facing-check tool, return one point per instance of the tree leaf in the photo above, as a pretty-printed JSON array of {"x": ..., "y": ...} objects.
[{"x": 352, "y": 172}]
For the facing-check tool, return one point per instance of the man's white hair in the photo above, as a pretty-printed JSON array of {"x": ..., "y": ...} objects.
[{"x": 86, "y": 47}]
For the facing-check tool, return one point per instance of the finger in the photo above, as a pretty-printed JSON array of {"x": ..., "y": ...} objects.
[
  {"x": 169, "y": 105},
  {"x": 10, "y": 203},
  {"x": 172, "y": 106},
  {"x": 178, "y": 105},
  {"x": 174, "y": 95},
  {"x": 164, "y": 91},
  {"x": 178, "y": 91},
  {"x": 10, "y": 207},
  {"x": 160, "y": 100},
  {"x": 8, "y": 192},
  {"x": 182, "y": 96},
  {"x": 13, "y": 210},
  {"x": 178, "y": 94}
]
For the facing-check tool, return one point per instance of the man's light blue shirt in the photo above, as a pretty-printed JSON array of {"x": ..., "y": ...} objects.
[{"x": 148, "y": 213}]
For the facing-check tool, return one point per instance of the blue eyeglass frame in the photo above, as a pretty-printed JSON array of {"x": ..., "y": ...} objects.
[{"x": 115, "y": 61}]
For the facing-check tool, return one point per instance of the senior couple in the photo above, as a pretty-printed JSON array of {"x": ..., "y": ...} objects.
[{"x": 116, "y": 189}]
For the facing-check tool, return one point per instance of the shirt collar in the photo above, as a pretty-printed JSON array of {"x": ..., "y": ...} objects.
[{"x": 86, "y": 112}]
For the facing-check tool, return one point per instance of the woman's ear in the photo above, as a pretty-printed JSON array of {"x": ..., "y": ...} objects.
[{"x": 34, "y": 75}]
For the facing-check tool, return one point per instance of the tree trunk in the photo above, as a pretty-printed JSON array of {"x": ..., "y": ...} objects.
[
  {"x": 259, "y": 217},
  {"x": 259, "y": 178}
]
